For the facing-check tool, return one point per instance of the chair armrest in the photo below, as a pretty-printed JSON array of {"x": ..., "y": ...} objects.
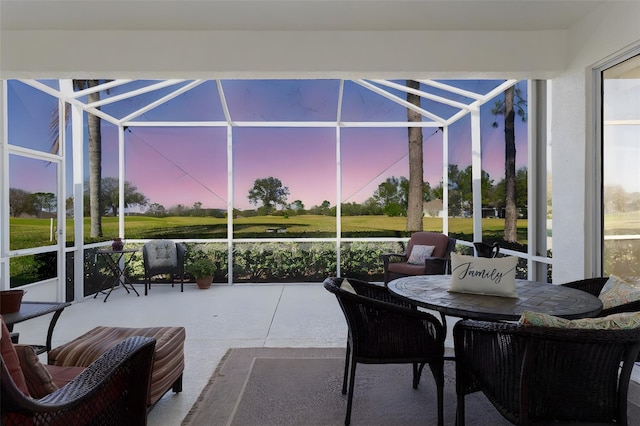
[
  {"x": 627, "y": 307},
  {"x": 181, "y": 251},
  {"x": 590, "y": 285},
  {"x": 435, "y": 265},
  {"x": 111, "y": 390},
  {"x": 145, "y": 259}
]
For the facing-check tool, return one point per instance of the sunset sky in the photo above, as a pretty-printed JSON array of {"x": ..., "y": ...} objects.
[{"x": 183, "y": 165}]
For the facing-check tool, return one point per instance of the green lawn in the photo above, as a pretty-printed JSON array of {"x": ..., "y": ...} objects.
[
  {"x": 26, "y": 233},
  {"x": 357, "y": 259},
  {"x": 622, "y": 223}
]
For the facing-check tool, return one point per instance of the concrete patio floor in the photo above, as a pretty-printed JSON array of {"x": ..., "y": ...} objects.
[{"x": 222, "y": 317}]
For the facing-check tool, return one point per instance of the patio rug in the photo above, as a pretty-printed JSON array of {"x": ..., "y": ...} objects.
[{"x": 302, "y": 387}]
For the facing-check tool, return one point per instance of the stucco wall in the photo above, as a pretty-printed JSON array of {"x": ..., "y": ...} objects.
[{"x": 598, "y": 37}]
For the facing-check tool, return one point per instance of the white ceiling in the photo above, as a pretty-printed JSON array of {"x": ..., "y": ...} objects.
[{"x": 292, "y": 15}]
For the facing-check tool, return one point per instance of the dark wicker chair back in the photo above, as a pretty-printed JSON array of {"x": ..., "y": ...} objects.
[
  {"x": 536, "y": 375},
  {"x": 384, "y": 330},
  {"x": 487, "y": 250},
  {"x": 111, "y": 391},
  {"x": 151, "y": 267},
  {"x": 590, "y": 285}
]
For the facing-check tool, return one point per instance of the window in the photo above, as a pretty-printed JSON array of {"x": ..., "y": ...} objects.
[{"x": 620, "y": 171}]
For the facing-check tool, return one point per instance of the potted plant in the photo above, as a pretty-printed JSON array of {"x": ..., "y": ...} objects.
[{"x": 202, "y": 270}]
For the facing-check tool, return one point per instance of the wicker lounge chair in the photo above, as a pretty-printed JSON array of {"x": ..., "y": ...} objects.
[
  {"x": 111, "y": 391},
  {"x": 398, "y": 265}
]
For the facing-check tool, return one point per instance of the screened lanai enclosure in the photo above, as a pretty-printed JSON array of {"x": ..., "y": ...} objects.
[{"x": 274, "y": 180}]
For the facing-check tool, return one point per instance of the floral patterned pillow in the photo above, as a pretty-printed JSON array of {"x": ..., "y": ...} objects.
[
  {"x": 419, "y": 254},
  {"x": 618, "y": 292},
  {"x": 623, "y": 321}
]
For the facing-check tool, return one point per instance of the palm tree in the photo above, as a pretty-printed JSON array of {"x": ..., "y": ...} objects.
[
  {"x": 95, "y": 162},
  {"x": 95, "y": 153},
  {"x": 416, "y": 179},
  {"x": 508, "y": 108}
]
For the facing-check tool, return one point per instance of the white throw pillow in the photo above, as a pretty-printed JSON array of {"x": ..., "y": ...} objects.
[
  {"x": 480, "y": 275},
  {"x": 419, "y": 254}
]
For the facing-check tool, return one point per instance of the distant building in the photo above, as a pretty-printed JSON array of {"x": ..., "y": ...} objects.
[{"x": 433, "y": 208}]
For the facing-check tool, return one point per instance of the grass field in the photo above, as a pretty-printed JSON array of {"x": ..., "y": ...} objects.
[
  {"x": 28, "y": 233},
  {"x": 31, "y": 233}
]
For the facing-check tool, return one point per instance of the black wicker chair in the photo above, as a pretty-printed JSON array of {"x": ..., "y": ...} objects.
[
  {"x": 111, "y": 391},
  {"x": 385, "y": 330},
  {"x": 594, "y": 286},
  {"x": 487, "y": 250},
  {"x": 163, "y": 257},
  {"x": 540, "y": 375}
]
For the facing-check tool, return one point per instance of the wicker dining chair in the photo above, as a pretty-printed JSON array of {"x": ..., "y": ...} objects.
[
  {"x": 385, "y": 330},
  {"x": 539, "y": 375},
  {"x": 594, "y": 286},
  {"x": 486, "y": 250}
]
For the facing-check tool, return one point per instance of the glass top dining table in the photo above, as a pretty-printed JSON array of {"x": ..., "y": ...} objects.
[{"x": 431, "y": 292}]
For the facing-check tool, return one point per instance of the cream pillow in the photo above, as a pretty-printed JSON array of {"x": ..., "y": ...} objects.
[
  {"x": 622, "y": 321},
  {"x": 419, "y": 254},
  {"x": 480, "y": 275},
  {"x": 618, "y": 292},
  {"x": 162, "y": 253},
  {"x": 346, "y": 286}
]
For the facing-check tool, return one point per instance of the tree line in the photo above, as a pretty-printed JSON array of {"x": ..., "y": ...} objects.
[
  {"x": 391, "y": 198},
  {"x": 22, "y": 202},
  {"x": 270, "y": 197}
]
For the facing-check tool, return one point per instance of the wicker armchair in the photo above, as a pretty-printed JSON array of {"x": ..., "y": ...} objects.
[
  {"x": 538, "y": 375},
  {"x": 163, "y": 257},
  {"x": 487, "y": 250},
  {"x": 594, "y": 286},
  {"x": 111, "y": 391},
  {"x": 384, "y": 330},
  {"x": 396, "y": 265}
]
